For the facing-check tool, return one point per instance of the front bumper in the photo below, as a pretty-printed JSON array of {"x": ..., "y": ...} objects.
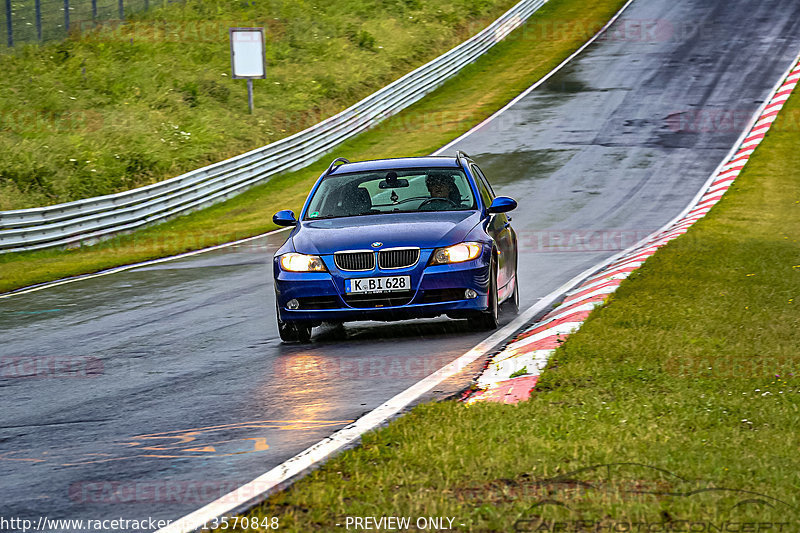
[{"x": 436, "y": 290}]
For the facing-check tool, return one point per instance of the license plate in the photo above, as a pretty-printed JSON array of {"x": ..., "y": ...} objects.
[{"x": 387, "y": 284}]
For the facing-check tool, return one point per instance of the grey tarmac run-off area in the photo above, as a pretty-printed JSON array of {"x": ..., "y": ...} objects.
[{"x": 184, "y": 391}]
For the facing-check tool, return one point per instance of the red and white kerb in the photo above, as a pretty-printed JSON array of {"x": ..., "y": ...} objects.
[{"x": 527, "y": 354}]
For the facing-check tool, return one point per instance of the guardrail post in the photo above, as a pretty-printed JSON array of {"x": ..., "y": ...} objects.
[
  {"x": 38, "y": 9},
  {"x": 66, "y": 15},
  {"x": 121, "y": 10},
  {"x": 9, "y": 25},
  {"x": 94, "y": 10}
]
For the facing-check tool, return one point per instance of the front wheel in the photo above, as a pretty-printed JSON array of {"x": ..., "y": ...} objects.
[
  {"x": 488, "y": 319},
  {"x": 293, "y": 331}
]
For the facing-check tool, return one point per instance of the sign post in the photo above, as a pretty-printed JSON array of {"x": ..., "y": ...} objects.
[{"x": 248, "y": 57}]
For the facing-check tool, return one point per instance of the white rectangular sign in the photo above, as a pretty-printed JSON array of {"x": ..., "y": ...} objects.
[{"x": 247, "y": 53}]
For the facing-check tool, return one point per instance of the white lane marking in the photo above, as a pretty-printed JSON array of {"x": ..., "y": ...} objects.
[{"x": 123, "y": 268}]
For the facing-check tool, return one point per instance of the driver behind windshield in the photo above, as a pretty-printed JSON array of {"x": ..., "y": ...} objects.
[{"x": 442, "y": 185}]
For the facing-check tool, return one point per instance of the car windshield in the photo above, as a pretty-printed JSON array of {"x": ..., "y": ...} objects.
[{"x": 391, "y": 191}]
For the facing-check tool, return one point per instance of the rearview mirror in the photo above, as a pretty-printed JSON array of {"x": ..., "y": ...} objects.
[
  {"x": 392, "y": 182},
  {"x": 396, "y": 183},
  {"x": 502, "y": 204},
  {"x": 284, "y": 218}
]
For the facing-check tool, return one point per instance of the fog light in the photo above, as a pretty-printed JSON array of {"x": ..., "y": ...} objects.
[
  {"x": 293, "y": 304},
  {"x": 469, "y": 294}
]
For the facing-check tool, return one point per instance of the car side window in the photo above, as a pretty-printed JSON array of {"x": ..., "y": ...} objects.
[
  {"x": 485, "y": 181},
  {"x": 483, "y": 186}
]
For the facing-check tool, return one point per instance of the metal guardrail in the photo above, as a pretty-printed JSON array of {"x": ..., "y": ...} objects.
[{"x": 89, "y": 220}]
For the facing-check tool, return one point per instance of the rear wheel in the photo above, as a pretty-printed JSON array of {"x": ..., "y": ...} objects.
[
  {"x": 488, "y": 319},
  {"x": 293, "y": 331}
]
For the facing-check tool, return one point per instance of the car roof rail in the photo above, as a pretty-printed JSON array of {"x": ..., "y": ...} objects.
[
  {"x": 461, "y": 154},
  {"x": 333, "y": 164}
]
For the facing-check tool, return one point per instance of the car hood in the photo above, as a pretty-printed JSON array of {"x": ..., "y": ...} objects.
[{"x": 426, "y": 230}]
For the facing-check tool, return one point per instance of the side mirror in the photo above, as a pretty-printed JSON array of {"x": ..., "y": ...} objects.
[
  {"x": 502, "y": 204},
  {"x": 284, "y": 218}
]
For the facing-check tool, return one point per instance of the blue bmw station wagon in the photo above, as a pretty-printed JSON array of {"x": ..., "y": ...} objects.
[{"x": 395, "y": 239}]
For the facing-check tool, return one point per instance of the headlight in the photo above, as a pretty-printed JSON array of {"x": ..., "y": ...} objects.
[
  {"x": 294, "y": 262},
  {"x": 458, "y": 253}
]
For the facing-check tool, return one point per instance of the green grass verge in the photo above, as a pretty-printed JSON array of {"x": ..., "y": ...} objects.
[
  {"x": 117, "y": 106},
  {"x": 685, "y": 386},
  {"x": 554, "y": 32}
]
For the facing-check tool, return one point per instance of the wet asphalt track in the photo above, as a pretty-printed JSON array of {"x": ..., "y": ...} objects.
[{"x": 183, "y": 389}]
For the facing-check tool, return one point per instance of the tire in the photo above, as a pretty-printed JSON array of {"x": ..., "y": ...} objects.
[
  {"x": 292, "y": 331},
  {"x": 488, "y": 319}
]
